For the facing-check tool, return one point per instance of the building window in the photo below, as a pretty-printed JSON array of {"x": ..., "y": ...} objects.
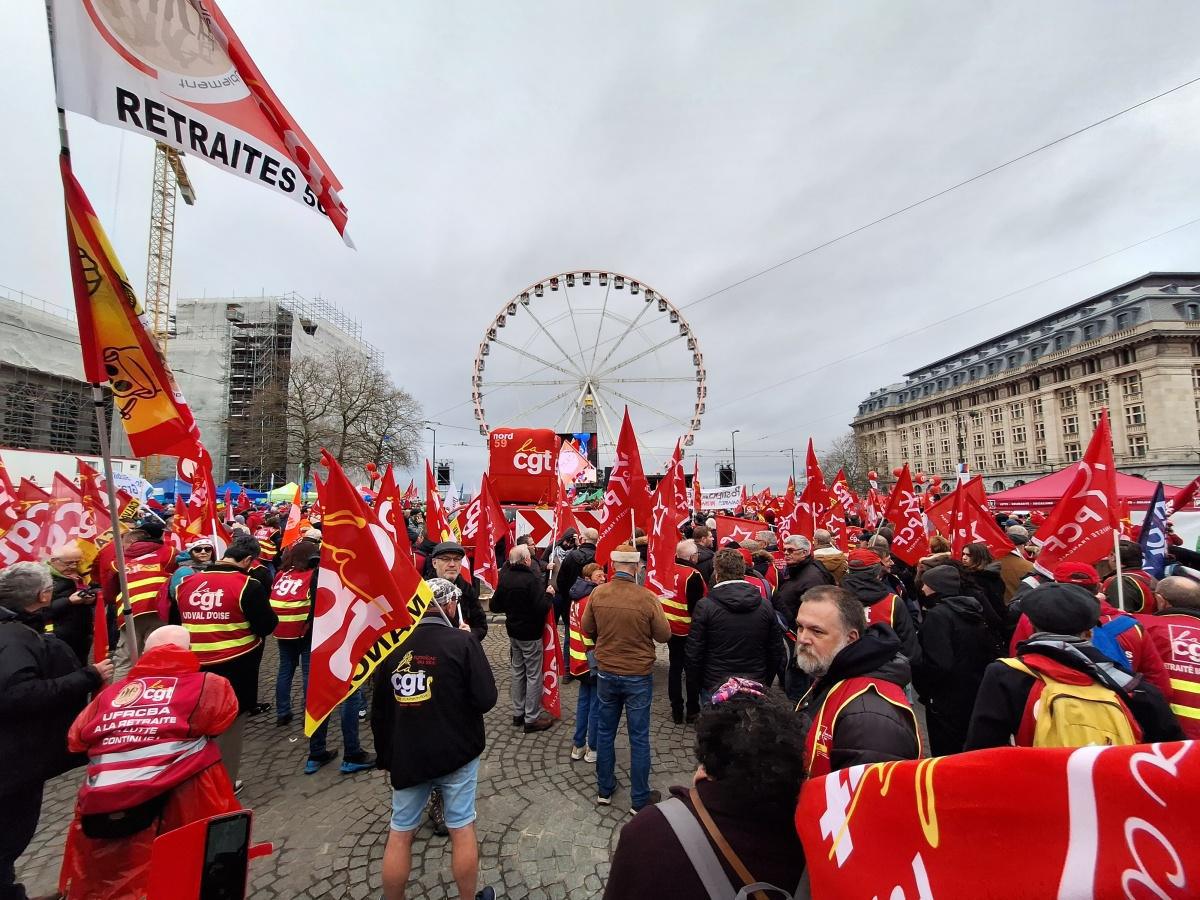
[
  {"x": 1196, "y": 378},
  {"x": 1070, "y": 425},
  {"x": 980, "y": 462},
  {"x": 1138, "y": 445},
  {"x": 997, "y": 415},
  {"x": 1066, "y": 398},
  {"x": 1039, "y": 431},
  {"x": 64, "y": 420},
  {"x": 998, "y": 459},
  {"x": 1036, "y": 352},
  {"x": 997, "y": 486},
  {"x": 929, "y": 448},
  {"x": 1039, "y": 454},
  {"x": 1016, "y": 411},
  {"x": 1089, "y": 331},
  {"x": 976, "y": 418},
  {"x": 1072, "y": 451},
  {"x": 1097, "y": 392},
  {"x": 1126, "y": 357},
  {"x": 1020, "y": 458},
  {"x": 946, "y": 445},
  {"x": 944, "y": 426},
  {"x": 1122, "y": 321},
  {"x": 998, "y": 438},
  {"x": 1018, "y": 433},
  {"x": 1131, "y": 386},
  {"x": 1135, "y": 415},
  {"x": 1013, "y": 360},
  {"x": 1060, "y": 342},
  {"x": 978, "y": 440},
  {"x": 1096, "y": 413},
  {"x": 21, "y": 407},
  {"x": 904, "y": 451},
  {"x": 1035, "y": 406},
  {"x": 1091, "y": 366},
  {"x": 929, "y": 430}
]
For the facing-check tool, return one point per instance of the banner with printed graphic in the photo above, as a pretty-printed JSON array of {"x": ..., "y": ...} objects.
[
  {"x": 552, "y": 667},
  {"x": 176, "y": 72},
  {"x": 1011, "y": 822},
  {"x": 522, "y": 464}
]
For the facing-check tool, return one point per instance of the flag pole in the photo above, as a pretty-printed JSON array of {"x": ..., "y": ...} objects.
[
  {"x": 98, "y": 400},
  {"x": 1120, "y": 579}
]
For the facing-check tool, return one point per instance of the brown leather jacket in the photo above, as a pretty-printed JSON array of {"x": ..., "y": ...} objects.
[{"x": 625, "y": 620}]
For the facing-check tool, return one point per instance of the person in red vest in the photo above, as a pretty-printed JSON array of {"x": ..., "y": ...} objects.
[
  {"x": 228, "y": 614},
  {"x": 269, "y": 536},
  {"x": 1137, "y": 585},
  {"x": 581, "y": 662},
  {"x": 148, "y": 567},
  {"x": 1175, "y": 630},
  {"x": 856, "y": 707},
  {"x": 1131, "y": 647},
  {"x": 864, "y": 579},
  {"x": 153, "y": 766},
  {"x": 688, "y": 588}
]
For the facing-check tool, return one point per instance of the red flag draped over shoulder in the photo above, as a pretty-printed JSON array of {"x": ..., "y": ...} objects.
[
  {"x": 910, "y": 541},
  {"x": 117, "y": 350},
  {"x": 369, "y": 598},
  {"x": 1080, "y": 527},
  {"x": 627, "y": 496}
]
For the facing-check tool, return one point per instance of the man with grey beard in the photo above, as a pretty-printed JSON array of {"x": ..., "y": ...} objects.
[{"x": 856, "y": 707}]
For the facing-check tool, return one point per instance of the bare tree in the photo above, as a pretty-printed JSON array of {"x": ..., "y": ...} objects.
[{"x": 845, "y": 454}]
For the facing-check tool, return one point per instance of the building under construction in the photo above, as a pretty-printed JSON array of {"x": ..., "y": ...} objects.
[{"x": 232, "y": 357}]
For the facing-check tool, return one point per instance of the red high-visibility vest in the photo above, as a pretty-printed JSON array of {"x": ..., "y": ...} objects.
[
  {"x": 883, "y": 611},
  {"x": 290, "y": 599},
  {"x": 578, "y": 643},
  {"x": 147, "y": 576},
  {"x": 819, "y": 744},
  {"x": 1177, "y": 637},
  {"x": 210, "y": 605},
  {"x": 676, "y": 608},
  {"x": 266, "y": 543}
]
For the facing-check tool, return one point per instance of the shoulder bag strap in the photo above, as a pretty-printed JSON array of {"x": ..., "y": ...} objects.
[
  {"x": 696, "y": 846},
  {"x": 723, "y": 845}
]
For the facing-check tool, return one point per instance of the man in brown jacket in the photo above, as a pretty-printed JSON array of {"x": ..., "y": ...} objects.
[
  {"x": 1014, "y": 566},
  {"x": 625, "y": 621}
]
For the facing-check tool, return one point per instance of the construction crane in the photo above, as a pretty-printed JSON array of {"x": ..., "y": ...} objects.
[{"x": 170, "y": 180}]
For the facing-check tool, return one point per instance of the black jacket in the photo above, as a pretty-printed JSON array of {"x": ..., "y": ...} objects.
[
  {"x": 72, "y": 623},
  {"x": 1004, "y": 693},
  {"x": 988, "y": 585},
  {"x": 956, "y": 648},
  {"x": 869, "y": 728},
  {"x": 428, "y": 702},
  {"x": 471, "y": 608},
  {"x": 798, "y": 579},
  {"x": 521, "y": 596},
  {"x": 704, "y": 563},
  {"x": 868, "y": 590},
  {"x": 734, "y": 632},
  {"x": 42, "y": 690},
  {"x": 572, "y": 567}
]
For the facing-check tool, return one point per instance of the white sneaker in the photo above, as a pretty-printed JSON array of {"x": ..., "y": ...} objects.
[
  {"x": 577, "y": 753},
  {"x": 590, "y": 756}
]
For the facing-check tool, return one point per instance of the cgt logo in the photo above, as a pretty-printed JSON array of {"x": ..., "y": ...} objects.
[
  {"x": 530, "y": 459},
  {"x": 206, "y": 599},
  {"x": 410, "y": 685},
  {"x": 1185, "y": 644},
  {"x": 288, "y": 586},
  {"x": 146, "y": 692}
]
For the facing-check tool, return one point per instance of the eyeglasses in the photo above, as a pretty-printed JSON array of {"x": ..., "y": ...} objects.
[{"x": 202, "y": 550}]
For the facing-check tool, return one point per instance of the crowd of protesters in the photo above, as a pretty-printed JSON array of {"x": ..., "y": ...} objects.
[{"x": 789, "y": 658}]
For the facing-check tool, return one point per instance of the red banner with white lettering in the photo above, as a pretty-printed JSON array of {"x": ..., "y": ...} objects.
[
  {"x": 552, "y": 667},
  {"x": 1011, "y": 822},
  {"x": 1080, "y": 527},
  {"x": 521, "y": 464},
  {"x": 910, "y": 541}
]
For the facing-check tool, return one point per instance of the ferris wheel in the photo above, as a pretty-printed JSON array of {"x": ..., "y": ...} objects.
[{"x": 572, "y": 350}]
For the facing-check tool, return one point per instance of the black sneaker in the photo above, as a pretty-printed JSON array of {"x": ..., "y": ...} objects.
[
  {"x": 285, "y": 719},
  {"x": 488, "y": 893},
  {"x": 654, "y": 797},
  {"x": 677, "y": 716},
  {"x": 518, "y": 720},
  {"x": 692, "y": 717}
]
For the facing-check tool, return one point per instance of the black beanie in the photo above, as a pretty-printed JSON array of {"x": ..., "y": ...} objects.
[
  {"x": 943, "y": 580},
  {"x": 1061, "y": 608}
]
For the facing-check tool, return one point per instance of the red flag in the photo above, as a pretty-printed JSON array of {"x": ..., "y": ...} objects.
[
  {"x": 732, "y": 528},
  {"x": 243, "y": 501},
  {"x": 389, "y": 508},
  {"x": 844, "y": 494},
  {"x": 696, "y": 508},
  {"x": 314, "y": 511},
  {"x": 971, "y": 523},
  {"x": 228, "y": 507},
  {"x": 291, "y": 528},
  {"x": 552, "y": 666},
  {"x": 1184, "y": 498},
  {"x": 93, "y": 495},
  {"x": 70, "y": 519},
  {"x": 24, "y": 541},
  {"x": 833, "y": 520},
  {"x": 1080, "y": 527},
  {"x": 369, "y": 598},
  {"x": 627, "y": 497},
  {"x": 564, "y": 515},
  {"x": 9, "y": 512},
  {"x": 910, "y": 542},
  {"x": 941, "y": 512},
  {"x": 789, "y": 498},
  {"x": 814, "y": 499},
  {"x": 410, "y": 493},
  {"x": 437, "y": 522},
  {"x": 668, "y": 510},
  {"x": 482, "y": 531}
]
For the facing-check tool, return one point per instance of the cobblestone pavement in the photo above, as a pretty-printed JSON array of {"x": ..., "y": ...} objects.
[{"x": 541, "y": 836}]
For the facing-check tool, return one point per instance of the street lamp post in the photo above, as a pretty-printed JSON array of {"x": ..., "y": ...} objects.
[
  {"x": 792, "y": 451},
  {"x": 434, "y": 430},
  {"x": 733, "y": 445}
]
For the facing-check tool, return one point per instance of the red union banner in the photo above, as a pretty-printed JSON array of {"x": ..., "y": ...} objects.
[
  {"x": 521, "y": 463},
  {"x": 1110, "y": 822},
  {"x": 177, "y": 73}
]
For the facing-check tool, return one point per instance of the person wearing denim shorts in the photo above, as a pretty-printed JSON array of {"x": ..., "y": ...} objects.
[{"x": 427, "y": 710}]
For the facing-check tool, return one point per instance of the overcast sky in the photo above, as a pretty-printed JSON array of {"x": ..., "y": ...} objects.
[{"x": 483, "y": 146}]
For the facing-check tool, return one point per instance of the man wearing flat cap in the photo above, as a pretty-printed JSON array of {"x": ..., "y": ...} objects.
[
  {"x": 1059, "y": 652},
  {"x": 447, "y": 559}
]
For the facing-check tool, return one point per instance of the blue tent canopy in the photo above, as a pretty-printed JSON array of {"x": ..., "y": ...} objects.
[{"x": 171, "y": 487}]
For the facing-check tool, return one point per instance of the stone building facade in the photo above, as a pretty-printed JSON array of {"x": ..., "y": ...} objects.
[{"x": 1026, "y": 402}]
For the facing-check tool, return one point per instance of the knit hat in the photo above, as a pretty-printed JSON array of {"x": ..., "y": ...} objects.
[
  {"x": 943, "y": 580},
  {"x": 1077, "y": 573},
  {"x": 863, "y": 559},
  {"x": 443, "y": 590},
  {"x": 1061, "y": 608}
]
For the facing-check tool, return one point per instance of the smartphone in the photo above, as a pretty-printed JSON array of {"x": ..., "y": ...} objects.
[{"x": 226, "y": 858}]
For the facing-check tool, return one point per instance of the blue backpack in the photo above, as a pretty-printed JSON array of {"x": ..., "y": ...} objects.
[{"x": 1104, "y": 639}]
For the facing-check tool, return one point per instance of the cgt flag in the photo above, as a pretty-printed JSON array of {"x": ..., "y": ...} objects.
[
  {"x": 117, "y": 350},
  {"x": 177, "y": 73},
  {"x": 369, "y": 598}
]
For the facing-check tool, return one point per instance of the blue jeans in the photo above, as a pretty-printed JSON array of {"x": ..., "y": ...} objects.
[
  {"x": 634, "y": 693},
  {"x": 292, "y": 654},
  {"x": 587, "y": 720},
  {"x": 351, "y": 746}
]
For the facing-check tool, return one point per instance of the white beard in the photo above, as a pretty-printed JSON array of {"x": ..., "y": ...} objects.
[{"x": 811, "y": 665}]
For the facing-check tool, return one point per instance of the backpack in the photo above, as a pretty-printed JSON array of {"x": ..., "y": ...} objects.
[
  {"x": 1104, "y": 639},
  {"x": 1075, "y": 715}
]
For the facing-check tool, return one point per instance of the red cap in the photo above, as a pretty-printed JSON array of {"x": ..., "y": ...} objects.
[
  {"x": 860, "y": 559},
  {"x": 746, "y": 555},
  {"x": 1076, "y": 573}
]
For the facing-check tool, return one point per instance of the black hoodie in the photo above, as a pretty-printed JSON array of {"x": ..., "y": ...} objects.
[
  {"x": 869, "y": 589},
  {"x": 869, "y": 729},
  {"x": 734, "y": 632}
]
